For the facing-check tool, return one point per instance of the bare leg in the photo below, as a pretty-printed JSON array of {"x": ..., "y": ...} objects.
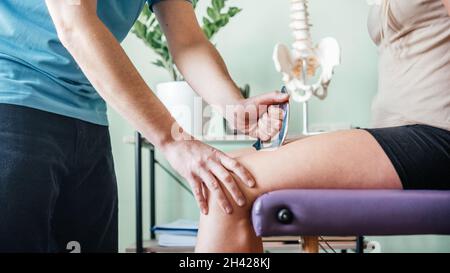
[{"x": 348, "y": 159}]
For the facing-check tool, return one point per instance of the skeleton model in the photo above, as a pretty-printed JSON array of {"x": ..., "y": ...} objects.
[{"x": 306, "y": 69}]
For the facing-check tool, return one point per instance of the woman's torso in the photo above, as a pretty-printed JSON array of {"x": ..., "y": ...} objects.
[
  {"x": 38, "y": 72},
  {"x": 414, "y": 63}
]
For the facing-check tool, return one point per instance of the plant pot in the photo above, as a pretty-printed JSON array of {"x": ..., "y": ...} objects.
[{"x": 184, "y": 105}]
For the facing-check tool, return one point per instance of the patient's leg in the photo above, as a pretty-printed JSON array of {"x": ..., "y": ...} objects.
[{"x": 348, "y": 159}]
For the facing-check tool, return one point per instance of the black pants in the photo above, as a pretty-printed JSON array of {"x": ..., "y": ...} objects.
[
  {"x": 58, "y": 189},
  {"x": 420, "y": 155}
]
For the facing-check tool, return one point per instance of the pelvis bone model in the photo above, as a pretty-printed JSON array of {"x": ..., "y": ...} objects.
[{"x": 300, "y": 65}]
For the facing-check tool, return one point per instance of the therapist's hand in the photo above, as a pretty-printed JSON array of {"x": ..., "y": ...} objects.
[
  {"x": 258, "y": 116},
  {"x": 203, "y": 166}
]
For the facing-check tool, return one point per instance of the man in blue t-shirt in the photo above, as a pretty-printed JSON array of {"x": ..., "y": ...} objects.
[{"x": 60, "y": 60}]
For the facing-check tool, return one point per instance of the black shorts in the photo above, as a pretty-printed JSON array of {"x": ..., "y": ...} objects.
[{"x": 420, "y": 155}]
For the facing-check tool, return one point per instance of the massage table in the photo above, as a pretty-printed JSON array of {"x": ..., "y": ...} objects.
[{"x": 312, "y": 213}]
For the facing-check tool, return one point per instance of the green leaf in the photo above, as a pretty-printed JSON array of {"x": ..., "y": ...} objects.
[
  {"x": 206, "y": 21},
  {"x": 159, "y": 51},
  {"x": 157, "y": 35},
  {"x": 146, "y": 11},
  {"x": 139, "y": 29},
  {"x": 155, "y": 45},
  {"x": 207, "y": 32},
  {"x": 159, "y": 63},
  {"x": 218, "y": 4},
  {"x": 224, "y": 20},
  {"x": 233, "y": 11},
  {"x": 152, "y": 21},
  {"x": 166, "y": 51},
  {"x": 215, "y": 4},
  {"x": 214, "y": 29},
  {"x": 213, "y": 14}
]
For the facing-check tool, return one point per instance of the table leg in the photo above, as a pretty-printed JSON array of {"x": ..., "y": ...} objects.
[
  {"x": 138, "y": 182},
  {"x": 152, "y": 163},
  {"x": 360, "y": 244},
  {"x": 310, "y": 244}
]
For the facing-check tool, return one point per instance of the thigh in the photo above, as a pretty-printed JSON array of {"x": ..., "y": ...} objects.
[
  {"x": 347, "y": 159},
  {"x": 86, "y": 211},
  {"x": 31, "y": 167}
]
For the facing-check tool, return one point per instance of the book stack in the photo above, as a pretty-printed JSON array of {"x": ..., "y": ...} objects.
[{"x": 180, "y": 233}]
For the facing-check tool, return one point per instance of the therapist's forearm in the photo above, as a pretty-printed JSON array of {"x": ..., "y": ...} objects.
[
  {"x": 205, "y": 70},
  {"x": 110, "y": 71}
]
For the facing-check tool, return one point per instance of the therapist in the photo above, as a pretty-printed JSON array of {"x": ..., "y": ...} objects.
[{"x": 60, "y": 60}]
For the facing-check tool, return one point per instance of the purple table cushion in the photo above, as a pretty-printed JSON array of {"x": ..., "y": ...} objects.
[{"x": 352, "y": 212}]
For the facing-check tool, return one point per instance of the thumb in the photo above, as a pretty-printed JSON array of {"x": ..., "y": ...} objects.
[{"x": 270, "y": 98}]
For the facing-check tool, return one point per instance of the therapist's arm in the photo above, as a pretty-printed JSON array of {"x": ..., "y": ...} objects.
[
  {"x": 204, "y": 69},
  {"x": 195, "y": 57},
  {"x": 108, "y": 68}
]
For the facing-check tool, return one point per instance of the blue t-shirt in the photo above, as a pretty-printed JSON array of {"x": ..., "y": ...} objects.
[{"x": 38, "y": 72}]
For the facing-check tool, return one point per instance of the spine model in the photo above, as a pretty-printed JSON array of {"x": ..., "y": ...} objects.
[
  {"x": 303, "y": 49},
  {"x": 300, "y": 64}
]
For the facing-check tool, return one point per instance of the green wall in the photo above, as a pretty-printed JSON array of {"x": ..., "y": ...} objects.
[{"x": 246, "y": 45}]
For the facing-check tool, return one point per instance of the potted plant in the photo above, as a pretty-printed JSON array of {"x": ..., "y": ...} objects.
[{"x": 177, "y": 95}]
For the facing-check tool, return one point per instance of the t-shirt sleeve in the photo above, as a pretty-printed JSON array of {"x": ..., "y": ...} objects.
[{"x": 152, "y": 2}]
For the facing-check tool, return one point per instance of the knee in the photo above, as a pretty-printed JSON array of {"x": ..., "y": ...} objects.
[{"x": 217, "y": 211}]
